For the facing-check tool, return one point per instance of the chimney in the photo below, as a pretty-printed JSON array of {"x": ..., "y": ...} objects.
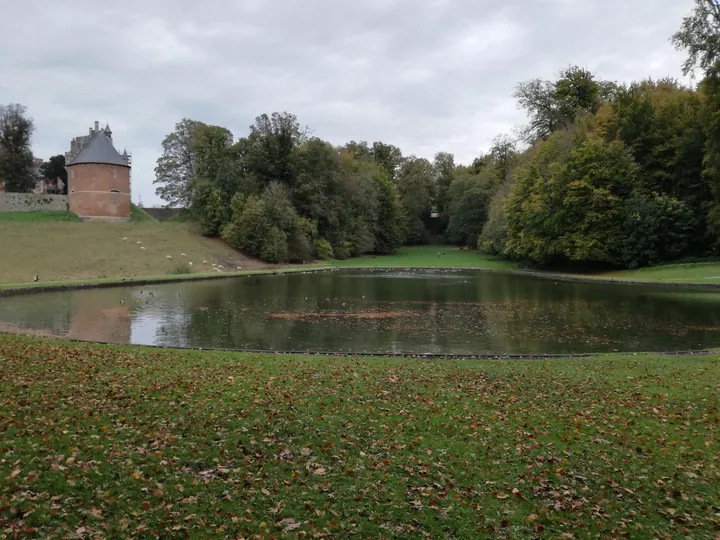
[{"x": 97, "y": 125}]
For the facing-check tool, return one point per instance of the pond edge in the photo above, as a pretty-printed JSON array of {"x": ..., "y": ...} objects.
[{"x": 159, "y": 280}]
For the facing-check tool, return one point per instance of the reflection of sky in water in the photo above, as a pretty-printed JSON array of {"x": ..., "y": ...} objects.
[{"x": 398, "y": 311}]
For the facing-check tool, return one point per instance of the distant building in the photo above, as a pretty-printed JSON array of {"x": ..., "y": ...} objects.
[
  {"x": 98, "y": 177},
  {"x": 49, "y": 185}
]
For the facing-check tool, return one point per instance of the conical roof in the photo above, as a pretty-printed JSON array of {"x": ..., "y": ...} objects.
[{"x": 99, "y": 149}]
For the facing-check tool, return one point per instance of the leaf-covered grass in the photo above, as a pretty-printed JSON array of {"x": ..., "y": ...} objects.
[
  {"x": 681, "y": 273},
  {"x": 124, "y": 441},
  {"x": 39, "y": 216},
  {"x": 431, "y": 257}
]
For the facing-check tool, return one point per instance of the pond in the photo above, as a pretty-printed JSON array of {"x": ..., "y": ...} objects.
[{"x": 382, "y": 311}]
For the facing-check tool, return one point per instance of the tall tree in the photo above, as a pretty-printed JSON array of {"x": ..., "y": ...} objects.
[
  {"x": 16, "y": 158},
  {"x": 55, "y": 168},
  {"x": 389, "y": 157},
  {"x": 416, "y": 186},
  {"x": 699, "y": 36},
  {"x": 176, "y": 170},
  {"x": 553, "y": 105},
  {"x": 444, "y": 165},
  {"x": 272, "y": 143}
]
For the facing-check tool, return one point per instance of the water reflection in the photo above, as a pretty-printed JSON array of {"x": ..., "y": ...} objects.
[{"x": 452, "y": 312}]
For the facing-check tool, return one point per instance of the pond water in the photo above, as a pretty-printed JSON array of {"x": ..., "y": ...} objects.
[{"x": 384, "y": 311}]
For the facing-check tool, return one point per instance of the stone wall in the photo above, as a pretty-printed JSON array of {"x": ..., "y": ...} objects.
[{"x": 32, "y": 202}]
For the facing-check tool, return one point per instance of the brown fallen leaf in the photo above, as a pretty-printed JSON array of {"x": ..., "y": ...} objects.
[{"x": 319, "y": 472}]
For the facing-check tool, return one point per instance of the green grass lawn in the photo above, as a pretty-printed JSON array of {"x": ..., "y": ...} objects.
[
  {"x": 124, "y": 441},
  {"x": 39, "y": 216},
  {"x": 681, "y": 273},
  {"x": 58, "y": 251},
  {"x": 427, "y": 257}
]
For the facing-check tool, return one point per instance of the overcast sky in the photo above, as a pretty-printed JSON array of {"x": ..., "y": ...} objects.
[{"x": 425, "y": 75}]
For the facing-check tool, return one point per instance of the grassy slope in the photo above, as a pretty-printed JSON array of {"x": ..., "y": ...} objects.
[
  {"x": 427, "y": 257},
  {"x": 138, "y": 214},
  {"x": 58, "y": 251},
  {"x": 681, "y": 273},
  {"x": 40, "y": 216},
  {"x": 122, "y": 440}
]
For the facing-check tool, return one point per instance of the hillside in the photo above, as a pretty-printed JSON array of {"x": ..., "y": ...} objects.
[{"x": 61, "y": 250}]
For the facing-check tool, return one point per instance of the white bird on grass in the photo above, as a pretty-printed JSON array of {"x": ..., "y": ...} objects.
[
  {"x": 124, "y": 239},
  {"x": 183, "y": 255},
  {"x": 169, "y": 257},
  {"x": 142, "y": 248},
  {"x": 190, "y": 264},
  {"x": 139, "y": 242}
]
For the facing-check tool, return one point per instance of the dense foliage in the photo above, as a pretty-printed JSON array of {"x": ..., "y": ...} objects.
[
  {"x": 16, "y": 158},
  {"x": 613, "y": 175}
]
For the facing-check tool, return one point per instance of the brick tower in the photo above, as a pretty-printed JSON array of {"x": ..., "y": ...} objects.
[{"x": 98, "y": 177}]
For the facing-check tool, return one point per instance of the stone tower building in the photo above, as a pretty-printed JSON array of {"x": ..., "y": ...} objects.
[{"x": 98, "y": 177}]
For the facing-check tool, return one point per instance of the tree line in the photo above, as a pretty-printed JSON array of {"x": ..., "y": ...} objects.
[
  {"x": 602, "y": 174},
  {"x": 623, "y": 175}
]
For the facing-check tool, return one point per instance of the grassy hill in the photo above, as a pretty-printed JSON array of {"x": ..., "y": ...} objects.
[{"x": 57, "y": 248}]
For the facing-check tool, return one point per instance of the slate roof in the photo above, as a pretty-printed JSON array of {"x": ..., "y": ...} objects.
[{"x": 99, "y": 149}]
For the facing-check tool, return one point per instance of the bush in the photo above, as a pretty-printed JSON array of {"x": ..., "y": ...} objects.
[
  {"x": 275, "y": 249},
  {"x": 323, "y": 249},
  {"x": 180, "y": 269}
]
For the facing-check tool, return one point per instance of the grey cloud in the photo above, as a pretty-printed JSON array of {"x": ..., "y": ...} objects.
[{"x": 426, "y": 75}]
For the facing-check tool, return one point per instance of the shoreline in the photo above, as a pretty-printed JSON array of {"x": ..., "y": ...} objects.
[
  {"x": 12, "y": 330},
  {"x": 12, "y": 289}
]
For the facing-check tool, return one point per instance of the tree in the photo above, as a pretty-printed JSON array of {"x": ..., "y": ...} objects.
[
  {"x": 54, "y": 168},
  {"x": 656, "y": 228},
  {"x": 444, "y": 165},
  {"x": 711, "y": 159},
  {"x": 176, "y": 169},
  {"x": 416, "y": 186},
  {"x": 271, "y": 147},
  {"x": 389, "y": 157},
  {"x": 209, "y": 208},
  {"x": 469, "y": 200},
  {"x": 699, "y": 36},
  {"x": 249, "y": 227},
  {"x": 553, "y": 105},
  {"x": 16, "y": 158},
  {"x": 210, "y": 149},
  {"x": 389, "y": 227}
]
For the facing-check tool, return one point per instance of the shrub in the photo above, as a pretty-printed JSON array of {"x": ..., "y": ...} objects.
[
  {"x": 323, "y": 249},
  {"x": 180, "y": 269},
  {"x": 275, "y": 248}
]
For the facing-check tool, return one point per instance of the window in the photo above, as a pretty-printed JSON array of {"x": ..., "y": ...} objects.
[
  {"x": 114, "y": 173},
  {"x": 114, "y": 191},
  {"x": 72, "y": 173}
]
